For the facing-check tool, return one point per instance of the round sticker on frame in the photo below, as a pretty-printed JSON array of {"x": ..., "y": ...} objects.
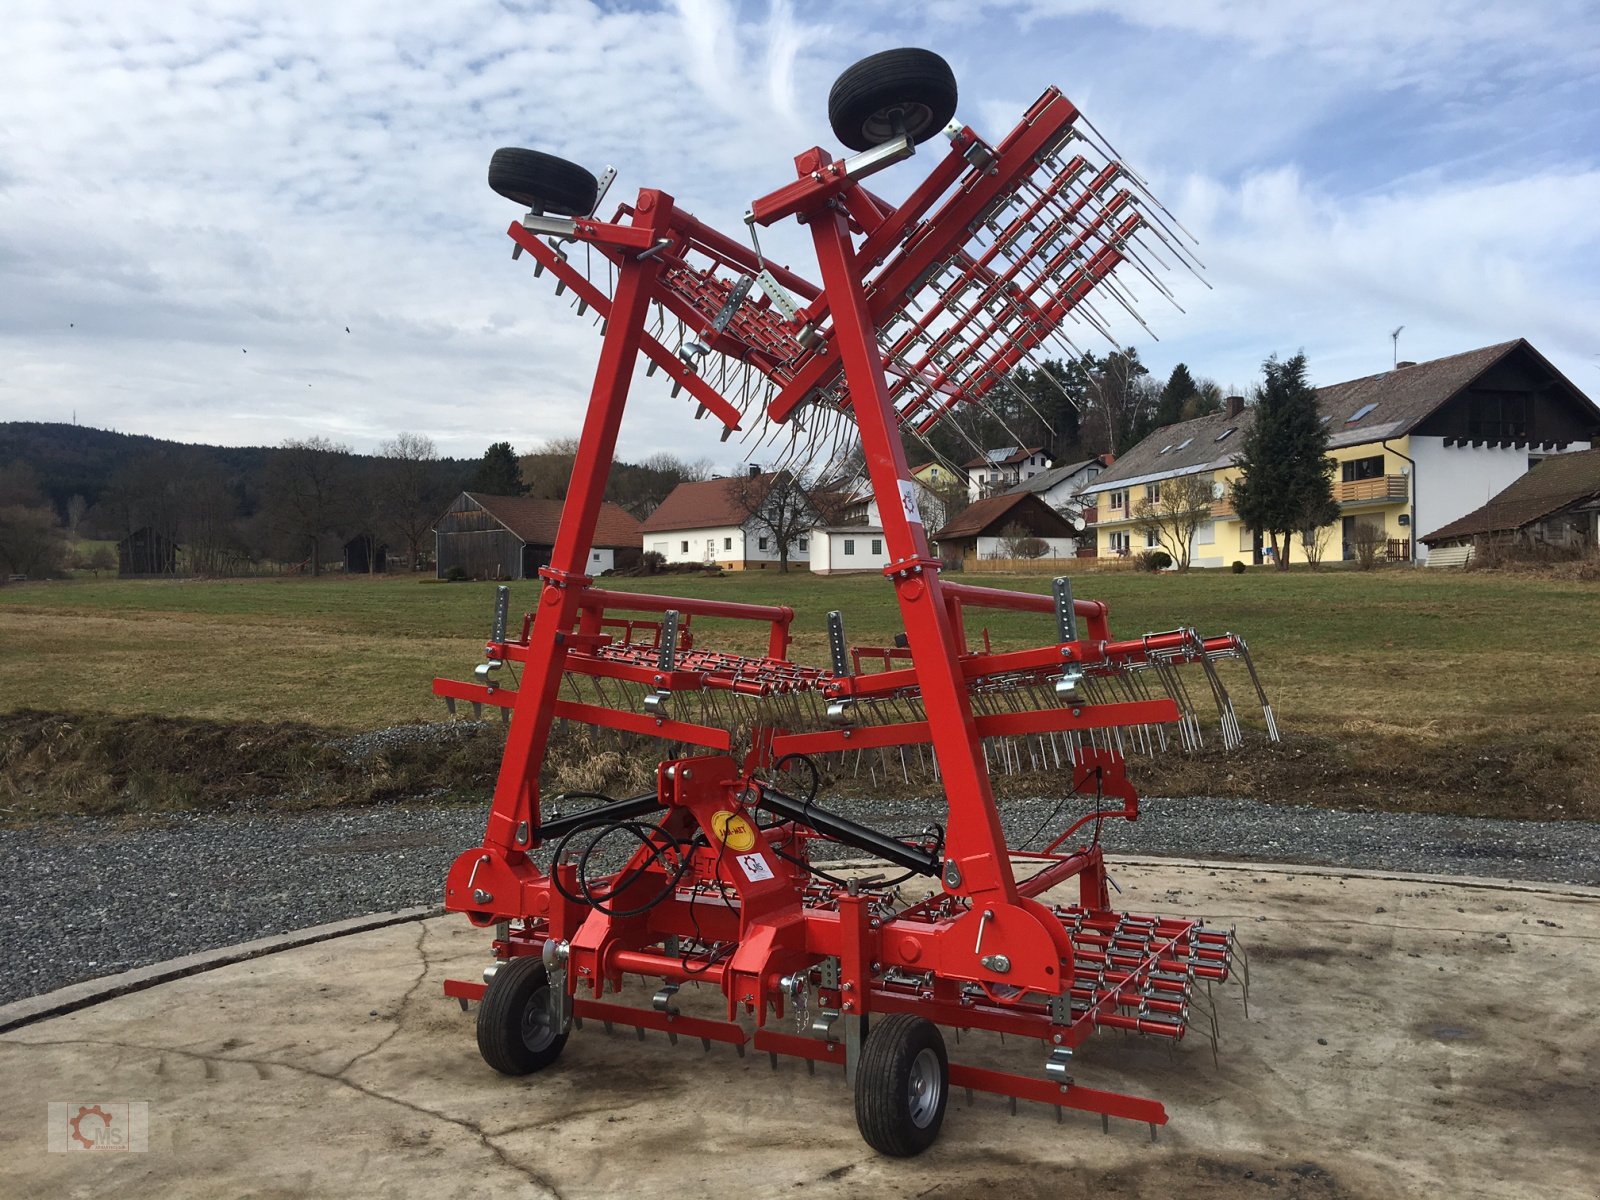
[{"x": 733, "y": 830}]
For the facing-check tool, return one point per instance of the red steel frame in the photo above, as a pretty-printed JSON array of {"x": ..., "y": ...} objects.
[{"x": 982, "y": 952}]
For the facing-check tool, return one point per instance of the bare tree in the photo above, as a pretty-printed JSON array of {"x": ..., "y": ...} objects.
[
  {"x": 307, "y": 496},
  {"x": 76, "y": 507},
  {"x": 1175, "y": 516},
  {"x": 1365, "y": 540},
  {"x": 410, "y": 491},
  {"x": 779, "y": 504},
  {"x": 1017, "y": 542},
  {"x": 1314, "y": 542},
  {"x": 207, "y": 523}
]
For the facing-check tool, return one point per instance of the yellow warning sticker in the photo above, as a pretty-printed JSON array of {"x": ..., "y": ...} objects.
[{"x": 733, "y": 830}]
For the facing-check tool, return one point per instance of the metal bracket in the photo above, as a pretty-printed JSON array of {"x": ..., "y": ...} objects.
[
  {"x": 667, "y": 652},
  {"x": 837, "y": 650},
  {"x": 1066, "y": 614},
  {"x": 502, "y": 612},
  {"x": 730, "y": 306}
]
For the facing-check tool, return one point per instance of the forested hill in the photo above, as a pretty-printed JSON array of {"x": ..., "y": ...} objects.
[{"x": 76, "y": 460}]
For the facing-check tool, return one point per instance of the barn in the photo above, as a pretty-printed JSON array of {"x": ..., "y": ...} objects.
[
  {"x": 510, "y": 537},
  {"x": 146, "y": 551}
]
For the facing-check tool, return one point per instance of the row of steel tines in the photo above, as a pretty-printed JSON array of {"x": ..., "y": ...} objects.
[
  {"x": 1026, "y": 271},
  {"x": 724, "y": 672},
  {"x": 1137, "y": 972}
]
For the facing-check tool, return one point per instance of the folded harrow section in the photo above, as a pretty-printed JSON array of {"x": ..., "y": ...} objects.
[{"x": 718, "y": 876}]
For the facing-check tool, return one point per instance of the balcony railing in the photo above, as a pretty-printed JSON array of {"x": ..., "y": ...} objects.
[{"x": 1381, "y": 489}]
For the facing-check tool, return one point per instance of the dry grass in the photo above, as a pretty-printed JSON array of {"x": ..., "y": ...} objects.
[{"x": 1454, "y": 691}]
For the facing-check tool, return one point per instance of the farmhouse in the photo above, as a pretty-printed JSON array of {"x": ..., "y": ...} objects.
[
  {"x": 986, "y": 529},
  {"x": 1064, "y": 486},
  {"x": 1557, "y": 505},
  {"x": 996, "y": 470},
  {"x": 709, "y": 522},
  {"x": 1416, "y": 447},
  {"x": 510, "y": 537}
]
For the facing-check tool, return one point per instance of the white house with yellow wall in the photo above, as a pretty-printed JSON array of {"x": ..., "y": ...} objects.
[{"x": 1415, "y": 448}]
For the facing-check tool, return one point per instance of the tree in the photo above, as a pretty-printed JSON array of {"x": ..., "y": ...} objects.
[
  {"x": 499, "y": 473},
  {"x": 411, "y": 492},
  {"x": 1017, "y": 542},
  {"x": 779, "y": 504},
  {"x": 1179, "y": 392},
  {"x": 1175, "y": 517},
  {"x": 308, "y": 496},
  {"x": 1121, "y": 400},
  {"x": 1366, "y": 539},
  {"x": 1287, "y": 477},
  {"x": 76, "y": 507},
  {"x": 30, "y": 541}
]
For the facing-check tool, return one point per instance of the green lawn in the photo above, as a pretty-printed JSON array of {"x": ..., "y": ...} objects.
[{"x": 1409, "y": 651}]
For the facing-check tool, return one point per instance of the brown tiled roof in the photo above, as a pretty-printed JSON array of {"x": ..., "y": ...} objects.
[
  {"x": 1017, "y": 454},
  {"x": 536, "y": 521},
  {"x": 1556, "y": 483},
  {"x": 1400, "y": 400},
  {"x": 989, "y": 516},
  {"x": 707, "y": 504}
]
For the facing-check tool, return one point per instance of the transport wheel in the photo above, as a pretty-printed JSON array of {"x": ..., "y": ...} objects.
[
  {"x": 902, "y": 1084},
  {"x": 542, "y": 181},
  {"x": 906, "y": 91},
  {"x": 516, "y": 1035}
]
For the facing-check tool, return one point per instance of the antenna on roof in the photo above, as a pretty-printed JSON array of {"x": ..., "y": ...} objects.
[{"x": 1394, "y": 336}]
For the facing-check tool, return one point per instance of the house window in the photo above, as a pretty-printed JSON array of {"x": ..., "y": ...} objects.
[
  {"x": 727, "y": 543},
  {"x": 1152, "y": 493},
  {"x": 1362, "y": 468},
  {"x": 762, "y": 543},
  {"x": 1119, "y": 499},
  {"x": 595, "y": 557},
  {"x": 877, "y": 545},
  {"x": 805, "y": 544},
  {"x": 1247, "y": 540},
  {"x": 1152, "y": 539},
  {"x": 1206, "y": 534},
  {"x": 849, "y": 545},
  {"x": 1118, "y": 541},
  {"x": 684, "y": 549}
]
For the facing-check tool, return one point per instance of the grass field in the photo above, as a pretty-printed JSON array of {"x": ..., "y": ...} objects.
[{"x": 1493, "y": 679}]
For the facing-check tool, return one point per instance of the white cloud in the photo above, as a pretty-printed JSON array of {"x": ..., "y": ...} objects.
[{"x": 197, "y": 198}]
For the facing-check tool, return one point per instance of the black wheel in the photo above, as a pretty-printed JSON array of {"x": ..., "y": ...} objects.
[
  {"x": 910, "y": 91},
  {"x": 902, "y": 1084},
  {"x": 516, "y": 1034},
  {"x": 543, "y": 181}
]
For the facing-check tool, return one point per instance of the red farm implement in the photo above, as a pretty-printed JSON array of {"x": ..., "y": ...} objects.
[{"x": 922, "y": 307}]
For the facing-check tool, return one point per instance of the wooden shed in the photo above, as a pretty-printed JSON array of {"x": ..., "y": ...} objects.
[
  {"x": 510, "y": 537},
  {"x": 146, "y": 551}
]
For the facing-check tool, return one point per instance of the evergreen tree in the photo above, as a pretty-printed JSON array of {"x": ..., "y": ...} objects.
[
  {"x": 1287, "y": 480},
  {"x": 1176, "y": 396},
  {"x": 498, "y": 474}
]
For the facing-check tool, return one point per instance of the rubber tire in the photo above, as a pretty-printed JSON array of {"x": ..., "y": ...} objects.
[
  {"x": 538, "y": 180},
  {"x": 883, "y": 1077},
  {"x": 516, "y": 985},
  {"x": 917, "y": 81}
]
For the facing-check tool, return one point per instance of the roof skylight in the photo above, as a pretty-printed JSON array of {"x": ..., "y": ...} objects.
[
  {"x": 1226, "y": 433},
  {"x": 1360, "y": 412}
]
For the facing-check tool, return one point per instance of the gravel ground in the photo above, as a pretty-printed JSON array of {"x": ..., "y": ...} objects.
[{"x": 83, "y": 900}]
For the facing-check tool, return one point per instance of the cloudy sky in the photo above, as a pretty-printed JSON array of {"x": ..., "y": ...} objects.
[{"x": 196, "y": 199}]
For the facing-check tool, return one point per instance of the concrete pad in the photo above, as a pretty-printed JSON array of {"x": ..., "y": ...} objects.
[{"x": 1405, "y": 1037}]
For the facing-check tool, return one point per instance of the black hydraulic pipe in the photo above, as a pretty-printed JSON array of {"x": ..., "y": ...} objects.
[
  {"x": 617, "y": 810},
  {"x": 851, "y": 833}
]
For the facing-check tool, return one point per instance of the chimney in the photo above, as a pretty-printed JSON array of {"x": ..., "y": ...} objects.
[
  {"x": 1235, "y": 405},
  {"x": 1403, "y": 363},
  {"x": 755, "y": 469}
]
